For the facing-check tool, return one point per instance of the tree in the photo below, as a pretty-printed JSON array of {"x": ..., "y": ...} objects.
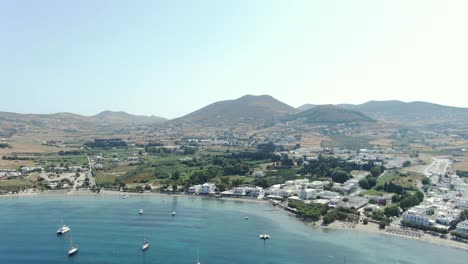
[
  {"x": 237, "y": 182},
  {"x": 426, "y": 181},
  {"x": 266, "y": 148},
  {"x": 364, "y": 184},
  {"x": 391, "y": 210},
  {"x": 372, "y": 182},
  {"x": 407, "y": 163},
  {"x": 221, "y": 187},
  {"x": 339, "y": 175},
  {"x": 375, "y": 171},
  {"x": 175, "y": 176},
  {"x": 409, "y": 201},
  {"x": 382, "y": 225}
]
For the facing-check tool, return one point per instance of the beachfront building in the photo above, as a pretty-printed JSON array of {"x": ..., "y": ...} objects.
[
  {"x": 462, "y": 228},
  {"x": 245, "y": 191},
  {"x": 282, "y": 191},
  {"x": 420, "y": 215},
  {"x": 208, "y": 188},
  {"x": 308, "y": 194},
  {"x": 195, "y": 189},
  {"x": 254, "y": 192}
]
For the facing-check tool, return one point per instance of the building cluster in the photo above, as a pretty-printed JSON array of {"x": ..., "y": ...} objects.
[
  {"x": 379, "y": 156},
  {"x": 245, "y": 191},
  {"x": 7, "y": 173},
  {"x": 203, "y": 189},
  {"x": 446, "y": 198},
  {"x": 300, "y": 189}
]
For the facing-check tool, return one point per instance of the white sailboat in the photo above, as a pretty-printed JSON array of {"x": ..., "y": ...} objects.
[
  {"x": 173, "y": 213},
  {"x": 141, "y": 211},
  {"x": 73, "y": 249},
  {"x": 264, "y": 236}
]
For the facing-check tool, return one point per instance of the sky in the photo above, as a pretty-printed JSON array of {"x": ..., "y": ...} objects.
[{"x": 169, "y": 58}]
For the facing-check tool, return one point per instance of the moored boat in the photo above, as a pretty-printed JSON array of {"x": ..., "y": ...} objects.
[{"x": 64, "y": 229}]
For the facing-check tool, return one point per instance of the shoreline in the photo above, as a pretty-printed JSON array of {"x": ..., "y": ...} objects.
[
  {"x": 103, "y": 193},
  {"x": 372, "y": 228}
]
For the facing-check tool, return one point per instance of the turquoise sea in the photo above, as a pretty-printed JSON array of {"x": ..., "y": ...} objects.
[{"x": 109, "y": 229}]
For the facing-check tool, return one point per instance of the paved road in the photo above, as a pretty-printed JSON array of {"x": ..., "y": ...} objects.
[{"x": 89, "y": 175}]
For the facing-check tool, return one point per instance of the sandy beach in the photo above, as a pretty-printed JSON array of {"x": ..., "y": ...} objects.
[
  {"x": 393, "y": 231},
  {"x": 30, "y": 193}
]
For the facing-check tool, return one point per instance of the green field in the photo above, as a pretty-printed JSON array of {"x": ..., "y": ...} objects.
[{"x": 15, "y": 185}]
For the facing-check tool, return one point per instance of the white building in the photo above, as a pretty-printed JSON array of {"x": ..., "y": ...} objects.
[
  {"x": 307, "y": 194},
  {"x": 419, "y": 216},
  {"x": 257, "y": 174},
  {"x": 254, "y": 191},
  {"x": 329, "y": 195},
  {"x": 208, "y": 188},
  {"x": 239, "y": 191},
  {"x": 462, "y": 228},
  {"x": 317, "y": 184},
  {"x": 194, "y": 189}
]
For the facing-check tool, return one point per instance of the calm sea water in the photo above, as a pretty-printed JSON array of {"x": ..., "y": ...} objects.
[{"x": 110, "y": 230}]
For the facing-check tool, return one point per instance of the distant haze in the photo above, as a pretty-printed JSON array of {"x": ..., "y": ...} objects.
[{"x": 169, "y": 58}]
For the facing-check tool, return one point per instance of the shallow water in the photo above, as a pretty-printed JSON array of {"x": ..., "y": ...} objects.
[{"x": 109, "y": 230}]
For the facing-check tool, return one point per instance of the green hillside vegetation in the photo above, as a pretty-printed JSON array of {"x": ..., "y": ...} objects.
[
  {"x": 250, "y": 109},
  {"x": 325, "y": 114},
  {"x": 409, "y": 112},
  {"x": 123, "y": 117}
]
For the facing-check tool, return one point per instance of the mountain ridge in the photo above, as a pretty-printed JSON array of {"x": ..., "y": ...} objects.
[
  {"x": 249, "y": 109},
  {"x": 326, "y": 114}
]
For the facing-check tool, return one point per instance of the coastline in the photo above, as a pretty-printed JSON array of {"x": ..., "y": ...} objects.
[
  {"x": 337, "y": 225},
  {"x": 397, "y": 231},
  {"x": 30, "y": 193}
]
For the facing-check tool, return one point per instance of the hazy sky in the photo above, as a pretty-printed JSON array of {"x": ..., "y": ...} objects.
[{"x": 168, "y": 58}]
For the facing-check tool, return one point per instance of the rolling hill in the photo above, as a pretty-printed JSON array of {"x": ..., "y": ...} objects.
[
  {"x": 306, "y": 107},
  {"x": 249, "y": 109},
  {"x": 123, "y": 117},
  {"x": 328, "y": 114},
  {"x": 12, "y": 123},
  {"x": 420, "y": 112}
]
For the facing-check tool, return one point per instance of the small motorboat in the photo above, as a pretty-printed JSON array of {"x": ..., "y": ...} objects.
[{"x": 145, "y": 246}]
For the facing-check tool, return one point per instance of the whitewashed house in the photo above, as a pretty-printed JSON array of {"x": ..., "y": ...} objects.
[
  {"x": 208, "y": 188},
  {"x": 195, "y": 189},
  {"x": 462, "y": 228},
  {"x": 258, "y": 174},
  {"x": 308, "y": 194}
]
